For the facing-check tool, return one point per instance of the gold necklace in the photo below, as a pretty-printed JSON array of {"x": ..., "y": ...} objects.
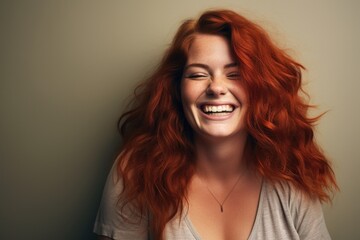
[{"x": 221, "y": 204}]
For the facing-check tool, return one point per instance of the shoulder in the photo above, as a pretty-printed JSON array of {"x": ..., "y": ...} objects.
[
  {"x": 293, "y": 199},
  {"x": 286, "y": 193},
  {"x": 114, "y": 221},
  {"x": 293, "y": 209}
]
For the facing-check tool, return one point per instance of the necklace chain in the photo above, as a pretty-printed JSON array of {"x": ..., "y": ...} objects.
[{"x": 221, "y": 204}]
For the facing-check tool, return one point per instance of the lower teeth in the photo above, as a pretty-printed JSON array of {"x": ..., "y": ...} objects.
[{"x": 217, "y": 113}]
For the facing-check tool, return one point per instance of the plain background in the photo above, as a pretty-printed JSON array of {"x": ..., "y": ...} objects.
[{"x": 67, "y": 69}]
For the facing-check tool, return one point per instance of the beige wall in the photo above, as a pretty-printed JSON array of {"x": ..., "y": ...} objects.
[{"x": 67, "y": 67}]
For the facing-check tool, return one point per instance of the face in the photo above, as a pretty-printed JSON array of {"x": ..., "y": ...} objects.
[{"x": 213, "y": 98}]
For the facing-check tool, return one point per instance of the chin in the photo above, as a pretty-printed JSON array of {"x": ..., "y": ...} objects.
[{"x": 220, "y": 133}]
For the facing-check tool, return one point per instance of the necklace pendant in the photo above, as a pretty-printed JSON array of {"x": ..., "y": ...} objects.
[{"x": 221, "y": 208}]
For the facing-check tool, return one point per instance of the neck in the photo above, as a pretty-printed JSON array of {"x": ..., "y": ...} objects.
[{"x": 221, "y": 159}]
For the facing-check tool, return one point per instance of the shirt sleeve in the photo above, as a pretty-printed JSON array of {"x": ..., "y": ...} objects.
[
  {"x": 308, "y": 217},
  {"x": 114, "y": 222}
]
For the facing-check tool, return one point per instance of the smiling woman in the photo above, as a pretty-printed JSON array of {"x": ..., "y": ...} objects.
[
  {"x": 218, "y": 144},
  {"x": 214, "y": 101}
]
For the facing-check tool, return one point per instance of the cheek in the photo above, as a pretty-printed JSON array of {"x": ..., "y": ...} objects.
[
  {"x": 183, "y": 94},
  {"x": 240, "y": 94},
  {"x": 188, "y": 94},
  {"x": 185, "y": 100}
]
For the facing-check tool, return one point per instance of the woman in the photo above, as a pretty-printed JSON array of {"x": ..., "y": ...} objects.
[{"x": 218, "y": 144}]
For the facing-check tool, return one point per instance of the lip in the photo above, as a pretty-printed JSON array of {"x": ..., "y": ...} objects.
[
  {"x": 217, "y": 104},
  {"x": 217, "y": 117}
]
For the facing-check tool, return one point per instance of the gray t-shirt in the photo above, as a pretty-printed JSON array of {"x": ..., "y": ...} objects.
[{"x": 283, "y": 213}]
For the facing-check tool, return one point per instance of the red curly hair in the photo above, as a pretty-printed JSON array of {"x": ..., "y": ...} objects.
[{"x": 157, "y": 159}]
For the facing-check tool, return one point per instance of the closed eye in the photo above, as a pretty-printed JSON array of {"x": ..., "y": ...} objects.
[
  {"x": 197, "y": 76},
  {"x": 233, "y": 75}
]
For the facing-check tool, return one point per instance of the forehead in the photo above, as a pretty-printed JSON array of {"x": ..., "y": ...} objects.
[{"x": 207, "y": 47}]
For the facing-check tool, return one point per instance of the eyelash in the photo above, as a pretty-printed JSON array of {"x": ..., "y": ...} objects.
[
  {"x": 233, "y": 75},
  {"x": 197, "y": 76}
]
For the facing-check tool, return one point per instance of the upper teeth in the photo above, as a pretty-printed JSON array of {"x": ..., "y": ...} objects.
[{"x": 219, "y": 108}]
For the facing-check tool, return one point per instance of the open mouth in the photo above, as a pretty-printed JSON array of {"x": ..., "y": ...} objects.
[{"x": 217, "y": 109}]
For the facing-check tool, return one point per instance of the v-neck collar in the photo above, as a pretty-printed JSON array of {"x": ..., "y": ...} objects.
[{"x": 254, "y": 227}]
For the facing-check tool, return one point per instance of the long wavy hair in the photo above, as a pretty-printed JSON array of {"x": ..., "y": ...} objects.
[{"x": 157, "y": 158}]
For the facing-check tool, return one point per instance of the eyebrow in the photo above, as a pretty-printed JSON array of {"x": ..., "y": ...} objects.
[{"x": 201, "y": 65}]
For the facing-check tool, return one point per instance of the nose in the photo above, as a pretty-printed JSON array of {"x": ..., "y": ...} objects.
[{"x": 216, "y": 87}]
